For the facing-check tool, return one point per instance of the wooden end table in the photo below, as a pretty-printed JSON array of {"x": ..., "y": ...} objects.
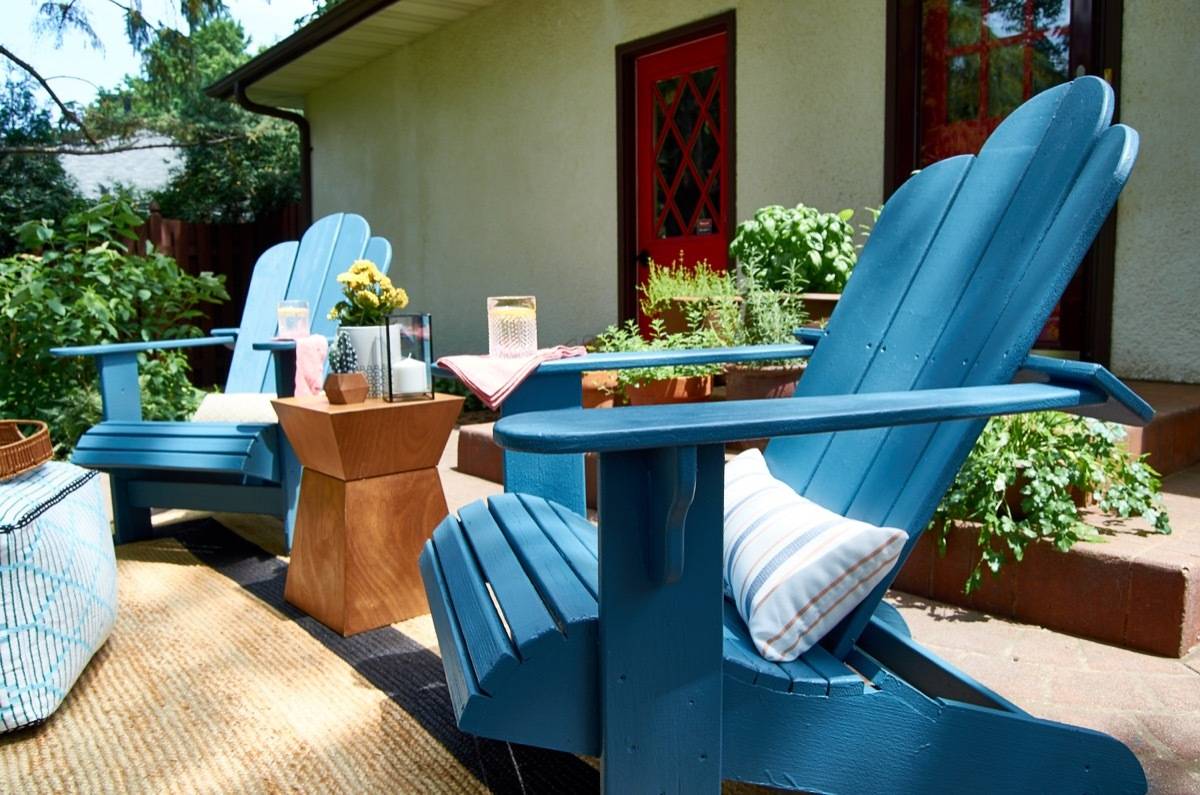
[{"x": 370, "y": 496}]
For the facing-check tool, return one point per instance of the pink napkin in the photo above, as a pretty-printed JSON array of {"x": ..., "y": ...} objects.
[
  {"x": 310, "y": 364},
  {"x": 493, "y": 380}
]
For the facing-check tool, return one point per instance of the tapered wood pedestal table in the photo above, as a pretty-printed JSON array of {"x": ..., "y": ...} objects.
[{"x": 370, "y": 496}]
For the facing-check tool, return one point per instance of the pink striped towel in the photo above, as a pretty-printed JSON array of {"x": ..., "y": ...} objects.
[
  {"x": 310, "y": 364},
  {"x": 493, "y": 380}
]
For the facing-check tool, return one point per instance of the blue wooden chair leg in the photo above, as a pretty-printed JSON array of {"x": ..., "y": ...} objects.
[
  {"x": 130, "y": 522},
  {"x": 660, "y": 620},
  {"x": 290, "y": 472}
]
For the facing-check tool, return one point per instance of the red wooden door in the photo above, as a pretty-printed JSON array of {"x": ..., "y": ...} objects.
[{"x": 682, "y": 121}]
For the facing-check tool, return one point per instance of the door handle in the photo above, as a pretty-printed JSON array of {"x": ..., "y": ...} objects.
[{"x": 642, "y": 259}]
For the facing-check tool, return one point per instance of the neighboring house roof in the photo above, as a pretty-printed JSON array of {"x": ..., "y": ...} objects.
[
  {"x": 348, "y": 36},
  {"x": 144, "y": 169}
]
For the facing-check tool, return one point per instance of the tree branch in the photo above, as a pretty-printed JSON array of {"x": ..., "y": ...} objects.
[
  {"x": 67, "y": 112},
  {"x": 67, "y": 150}
]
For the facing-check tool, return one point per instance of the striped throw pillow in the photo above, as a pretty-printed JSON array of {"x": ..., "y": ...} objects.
[{"x": 792, "y": 568}]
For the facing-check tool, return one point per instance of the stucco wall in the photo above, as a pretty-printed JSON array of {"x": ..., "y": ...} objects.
[
  {"x": 486, "y": 151},
  {"x": 1156, "y": 306}
]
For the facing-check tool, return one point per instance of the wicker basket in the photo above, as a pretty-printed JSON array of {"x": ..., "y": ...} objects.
[{"x": 21, "y": 452}]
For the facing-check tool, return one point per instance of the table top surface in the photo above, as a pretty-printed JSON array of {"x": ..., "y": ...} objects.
[{"x": 320, "y": 404}]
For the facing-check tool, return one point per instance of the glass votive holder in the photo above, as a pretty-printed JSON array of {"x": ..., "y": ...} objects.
[
  {"x": 512, "y": 326},
  {"x": 409, "y": 343},
  {"x": 293, "y": 319}
]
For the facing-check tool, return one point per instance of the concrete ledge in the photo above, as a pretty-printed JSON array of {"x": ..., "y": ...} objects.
[
  {"x": 1139, "y": 602},
  {"x": 480, "y": 456},
  {"x": 1173, "y": 437}
]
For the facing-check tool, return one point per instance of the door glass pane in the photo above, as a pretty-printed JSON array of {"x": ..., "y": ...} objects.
[
  {"x": 1006, "y": 80},
  {"x": 1051, "y": 13},
  {"x": 687, "y": 195},
  {"x": 962, "y": 88},
  {"x": 1005, "y": 18},
  {"x": 1051, "y": 60},
  {"x": 964, "y": 23},
  {"x": 703, "y": 79}
]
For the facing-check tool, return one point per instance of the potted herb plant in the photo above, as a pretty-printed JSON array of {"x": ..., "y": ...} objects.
[
  {"x": 651, "y": 385},
  {"x": 344, "y": 384},
  {"x": 368, "y": 296},
  {"x": 817, "y": 247},
  {"x": 676, "y": 294}
]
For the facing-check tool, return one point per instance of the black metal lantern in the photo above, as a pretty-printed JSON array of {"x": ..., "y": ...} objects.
[{"x": 408, "y": 340}]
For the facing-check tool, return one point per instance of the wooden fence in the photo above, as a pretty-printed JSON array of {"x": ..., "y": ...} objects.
[{"x": 229, "y": 250}]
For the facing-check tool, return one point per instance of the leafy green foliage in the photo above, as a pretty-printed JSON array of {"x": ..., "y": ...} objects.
[
  {"x": 667, "y": 283},
  {"x": 31, "y": 186},
  {"x": 323, "y": 7},
  {"x": 343, "y": 359},
  {"x": 798, "y": 246},
  {"x": 627, "y": 337},
  {"x": 250, "y": 163},
  {"x": 78, "y": 283},
  {"x": 1022, "y": 479}
]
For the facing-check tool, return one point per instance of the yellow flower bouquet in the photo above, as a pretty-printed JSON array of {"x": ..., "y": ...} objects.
[{"x": 369, "y": 296}]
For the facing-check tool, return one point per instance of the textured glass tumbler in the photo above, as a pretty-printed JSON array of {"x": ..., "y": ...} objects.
[
  {"x": 512, "y": 326},
  {"x": 293, "y": 319}
]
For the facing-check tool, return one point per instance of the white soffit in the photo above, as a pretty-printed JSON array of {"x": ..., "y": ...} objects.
[{"x": 399, "y": 24}]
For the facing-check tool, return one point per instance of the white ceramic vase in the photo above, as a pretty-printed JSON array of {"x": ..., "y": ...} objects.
[{"x": 372, "y": 353}]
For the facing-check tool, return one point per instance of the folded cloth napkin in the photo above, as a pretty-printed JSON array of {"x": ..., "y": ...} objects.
[
  {"x": 310, "y": 364},
  {"x": 493, "y": 380}
]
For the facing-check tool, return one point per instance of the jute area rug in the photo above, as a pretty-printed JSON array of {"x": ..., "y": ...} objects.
[{"x": 212, "y": 683}]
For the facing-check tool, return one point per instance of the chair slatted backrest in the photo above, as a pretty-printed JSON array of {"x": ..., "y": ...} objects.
[
  {"x": 956, "y": 281},
  {"x": 307, "y": 271}
]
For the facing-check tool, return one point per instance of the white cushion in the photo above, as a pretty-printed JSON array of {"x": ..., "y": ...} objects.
[
  {"x": 236, "y": 407},
  {"x": 792, "y": 568}
]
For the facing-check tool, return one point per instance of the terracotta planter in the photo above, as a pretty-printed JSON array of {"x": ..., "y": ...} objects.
[
  {"x": 343, "y": 388},
  {"x": 756, "y": 383},
  {"x": 599, "y": 389},
  {"x": 674, "y": 317},
  {"x": 691, "y": 389},
  {"x": 1013, "y": 497},
  {"x": 819, "y": 306}
]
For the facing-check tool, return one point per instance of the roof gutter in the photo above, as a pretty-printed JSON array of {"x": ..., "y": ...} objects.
[{"x": 306, "y": 193}]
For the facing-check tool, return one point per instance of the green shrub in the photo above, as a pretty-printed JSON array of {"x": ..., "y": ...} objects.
[
  {"x": 1048, "y": 460},
  {"x": 798, "y": 245},
  {"x": 79, "y": 284}
]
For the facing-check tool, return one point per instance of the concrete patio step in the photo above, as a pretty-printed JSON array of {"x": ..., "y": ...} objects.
[
  {"x": 1173, "y": 437},
  {"x": 1135, "y": 589}
]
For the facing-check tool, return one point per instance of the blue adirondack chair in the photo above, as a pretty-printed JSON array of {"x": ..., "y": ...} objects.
[
  {"x": 616, "y": 641},
  {"x": 234, "y": 467}
]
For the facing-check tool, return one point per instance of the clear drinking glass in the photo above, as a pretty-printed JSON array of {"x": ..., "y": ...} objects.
[
  {"x": 293, "y": 319},
  {"x": 512, "y": 326}
]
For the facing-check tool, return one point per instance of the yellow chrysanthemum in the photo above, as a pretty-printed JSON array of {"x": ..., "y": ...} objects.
[{"x": 368, "y": 298}]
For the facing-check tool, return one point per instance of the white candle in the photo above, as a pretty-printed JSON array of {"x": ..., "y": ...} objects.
[{"x": 408, "y": 377}]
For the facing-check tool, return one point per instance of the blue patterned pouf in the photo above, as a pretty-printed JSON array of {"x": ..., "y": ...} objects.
[{"x": 58, "y": 587}]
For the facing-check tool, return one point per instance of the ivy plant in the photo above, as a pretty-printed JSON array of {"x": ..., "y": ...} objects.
[
  {"x": 1024, "y": 477},
  {"x": 79, "y": 282}
]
